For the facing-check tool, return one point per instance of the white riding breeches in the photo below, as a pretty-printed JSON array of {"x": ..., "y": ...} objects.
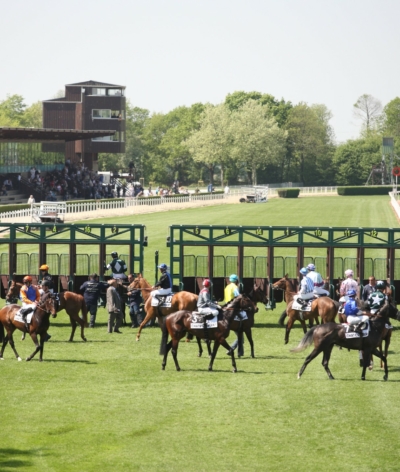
[
  {"x": 353, "y": 320},
  {"x": 161, "y": 291},
  {"x": 305, "y": 296},
  {"x": 320, "y": 291},
  {"x": 119, "y": 276},
  {"x": 208, "y": 311}
]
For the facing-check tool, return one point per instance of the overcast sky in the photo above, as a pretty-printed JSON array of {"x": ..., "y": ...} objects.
[{"x": 174, "y": 52}]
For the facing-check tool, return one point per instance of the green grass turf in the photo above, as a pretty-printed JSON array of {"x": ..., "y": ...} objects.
[{"x": 106, "y": 405}]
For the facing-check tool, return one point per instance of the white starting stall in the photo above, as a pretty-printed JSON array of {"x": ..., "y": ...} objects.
[
  {"x": 48, "y": 212},
  {"x": 256, "y": 194}
]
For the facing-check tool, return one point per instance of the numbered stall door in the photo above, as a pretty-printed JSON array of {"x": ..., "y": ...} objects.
[
  {"x": 5, "y": 276},
  {"x": 189, "y": 274}
]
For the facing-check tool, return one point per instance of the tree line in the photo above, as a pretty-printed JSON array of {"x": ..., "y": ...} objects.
[{"x": 251, "y": 137}]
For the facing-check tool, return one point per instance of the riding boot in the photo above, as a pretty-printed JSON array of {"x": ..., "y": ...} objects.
[{"x": 24, "y": 312}]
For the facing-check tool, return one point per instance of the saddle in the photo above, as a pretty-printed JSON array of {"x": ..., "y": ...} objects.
[
  {"x": 302, "y": 305},
  {"x": 203, "y": 320},
  {"x": 357, "y": 331}
]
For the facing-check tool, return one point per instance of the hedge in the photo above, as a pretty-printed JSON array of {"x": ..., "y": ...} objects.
[
  {"x": 288, "y": 192},
  {"x": 365, "y": 190},
  {"x": 12, "y": 207}
]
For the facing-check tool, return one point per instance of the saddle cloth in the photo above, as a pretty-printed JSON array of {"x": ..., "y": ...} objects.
[
  {"x": 297, "y": 306},
  {"x": 197, "y": 321},
  {"x": 349, "y": 333},
  {"x": 18, "y": 317},
  {"x": 165, "y": 301}
]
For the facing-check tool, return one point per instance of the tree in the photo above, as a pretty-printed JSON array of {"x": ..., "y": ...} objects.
[
  {"x": 258, "y": 140},
  {"x": 211, "y": 143},
  {"x": 12, "y": 110},
  {"x": 33, "y": 116},
  {"x": 310, "y": 147},
  {"x": 354, "y": 159},
  {"x": 368, "y": 109}
]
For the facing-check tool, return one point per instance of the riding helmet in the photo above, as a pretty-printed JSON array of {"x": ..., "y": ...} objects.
[
  {"x": 162, "y": 266},
  {"x": 233, "y": 278},
  {"x": 44, "y": 267},
  {"x": 380, "y": 284},
  {"x": 46, "y": 283},
  {"x": 114, "y": 254},
  {"x": 351, "y": 293},
  {"x": 27, "y": 278},
  {"x": 206, "y": 283},
  {"x": 303, "y": 271},
  {"x": 311, "y": 267}
]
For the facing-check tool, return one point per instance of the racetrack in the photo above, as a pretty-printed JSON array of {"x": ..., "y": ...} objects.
[{"x": 106, "y": 405}]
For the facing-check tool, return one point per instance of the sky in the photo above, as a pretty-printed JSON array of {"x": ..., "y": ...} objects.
[{"x": 170, "y": 53}]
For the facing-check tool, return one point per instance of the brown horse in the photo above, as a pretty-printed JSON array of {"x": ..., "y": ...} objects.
[
  {"x": 323, "y": 306},
  {"x": 39, "y": 325},
  {"x": 178, "y": 324},
  {"x": 71, "y": 302},
  {"x": 257, "y": 295},
  {"x": 180, "y": 301},
  {"x": 327, "y": 335}
]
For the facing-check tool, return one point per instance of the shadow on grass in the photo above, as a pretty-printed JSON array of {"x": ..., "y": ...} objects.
[
  {"x": 81, "y": 341},
  {"x": 71, "y": 361},
  {"x": 16, "y": 459}
]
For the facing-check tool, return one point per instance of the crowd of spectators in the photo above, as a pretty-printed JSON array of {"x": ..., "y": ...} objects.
[{"x": 72, "y": 182}]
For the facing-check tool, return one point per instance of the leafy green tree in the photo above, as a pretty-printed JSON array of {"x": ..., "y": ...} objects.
[
  {"x": 33, "y": 116},
  {"x": 12, "y": 110},
  {"x": 354, "y": 159},
  {"x": 258, "y": 140},
  {"x": 211, "y": 143},
  {"x": 310, "y": 147}
]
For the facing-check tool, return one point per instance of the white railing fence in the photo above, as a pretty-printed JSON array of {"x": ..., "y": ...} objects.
[{"x": 162, "y": 202}]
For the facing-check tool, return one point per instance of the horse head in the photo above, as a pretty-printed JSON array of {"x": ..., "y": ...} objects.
[
  {"x": 258, "y": 294},
  {"x": 13, "y": 292},
  {"x": 48, "y": 304}
]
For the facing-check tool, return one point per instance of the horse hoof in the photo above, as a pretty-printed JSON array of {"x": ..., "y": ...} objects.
[
  {"x": 1, "y": 358},
  {"x": 137, "y": 339},
  {"x": 210, "y": 369},
  {"x": 19, "y": 359},
  {"x": 163, "y": 367},
  {"x": 85, "y": 339},
  {"x": 28, "y": 359},
  {"x": 362, "y": 378},
  {"x": 199, "y": 354},
  {"x": 385, "y": 377},
  {"x": 234, "y": 371},
  {"x": 178, "y": 369}
]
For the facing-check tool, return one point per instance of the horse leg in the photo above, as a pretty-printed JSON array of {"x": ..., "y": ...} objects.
[
  {"x": 325, "y": 360},
  {"x": 174, "y": 350},
  {"x": 82, "y": 324},
  {"x": 167, "y": 349},
  {"x": 73, "y": 324},
  {"x": 303, "y": 325},
  {"x": 249, "y": 336},
  {"x": 384, "y": 360},
  {"x": 147, "y": 318},
  {"x": 43, "y": 337},
  {"x": 36, "y": 342},
  {"x": 288, "y": 328},
  {"x": 208, "y": 342},
  {"x": 225, "y": 344},
  {"x": 214, "y": 353},
  {"x": 10, "y": 339},
  {"x": 365, "y": 362},
  {"x": 5, "y": 341},
  {"x": 200, "y": 347},
  {"x": 387, "y": 344},
  {"x": 309, "y": 358}
]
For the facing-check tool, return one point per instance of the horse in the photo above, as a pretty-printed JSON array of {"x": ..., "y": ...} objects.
[
  {"x": 71, "y": 302},
  {"x": 178, "y": 324},
  {"x": 180, "y": 301},
  {"x": 244, "y": 326},
  {"x": 327, "y": 335},
  {"x": 322, "y": 306},
  {"x": 39, "y": 325}
]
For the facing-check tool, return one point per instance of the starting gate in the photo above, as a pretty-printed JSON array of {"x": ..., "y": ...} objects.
[
  {"x": 69, "y": 270},
  {"x": 368, "y": 251}
]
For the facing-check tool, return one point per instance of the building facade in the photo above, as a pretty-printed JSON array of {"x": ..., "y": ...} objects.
[{"x": 88, "y": 106}]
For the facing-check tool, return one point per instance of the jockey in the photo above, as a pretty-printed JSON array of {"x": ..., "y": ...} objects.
[
  {"x": 117, "y": 266},
  {"x": 164, "y": 285},
  {"x": 204, "y": 303},
  {"x": 306, "y": 291},
  {"x": 348, "y": 284},
  {"x": 378, "y": 298},
  {"x": 44, "y": 272},
  {"x": 316, "y": 277},
  {"x": 353, "y": 314},
  {"x": 30, "y": 297},
  {"x": 231, "y": 290}
]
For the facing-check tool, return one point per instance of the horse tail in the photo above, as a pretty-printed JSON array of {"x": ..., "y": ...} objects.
[
  {"x": 164, "y": 336},
  {"x": 282, "y": 318},
  {"x": 306, "y": 341},
  {"x": 84, "y": 312}
]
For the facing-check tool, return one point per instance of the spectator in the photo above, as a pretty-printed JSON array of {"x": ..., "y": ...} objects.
[
  {"x": 113, "y": 308},
  {"x": 3, "y": 190},
  {"x": 91, "y": 293},
  {"x": 226, "y": 189},
  {"x": 8, "y": 184},
  {"x": 31, "y": 200}
]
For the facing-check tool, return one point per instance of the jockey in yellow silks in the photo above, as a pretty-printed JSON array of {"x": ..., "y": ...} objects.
[{"x": 231, "y": 290}]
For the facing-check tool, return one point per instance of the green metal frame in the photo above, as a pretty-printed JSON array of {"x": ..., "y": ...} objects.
[
  {"x": 102, "y": 235},
  {"x": 273, "y": 237}
]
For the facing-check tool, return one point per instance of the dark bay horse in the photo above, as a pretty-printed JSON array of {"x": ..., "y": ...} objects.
[
  {"x": 257, "y": 295},
  {"x": 39, "y": 325},
  {"x": 178, "y": 324},
  {"x": 323, "y": 306},
  {"x": 180, "y": 301},
  {"x": 327, "y": 335},
  {"x": 71, "y": 302}
]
